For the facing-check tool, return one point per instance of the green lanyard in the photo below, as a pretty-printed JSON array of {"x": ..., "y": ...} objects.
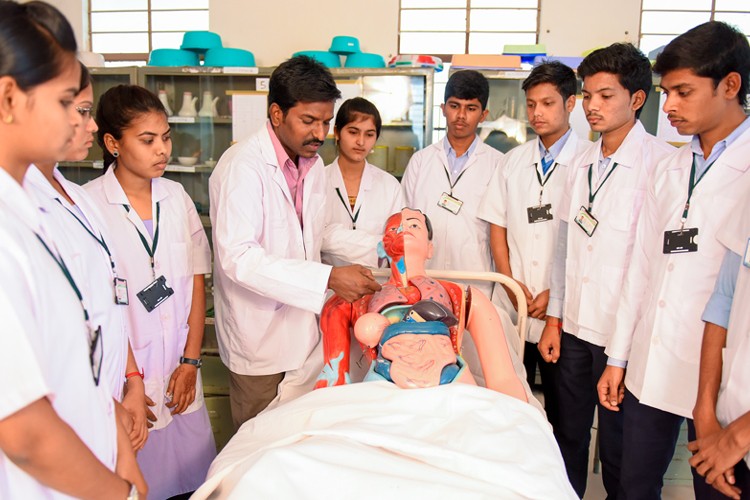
[
  {"x": 150, "y": 249},
  {"x": 542, "y": 183},
  {"x": 66, "y": 272},
  {"x": 99, "y": 239},
  {"x": 356, "y": 216},
  {"x": 592, "y": 195},
  {"x": 691, "y": 186}
]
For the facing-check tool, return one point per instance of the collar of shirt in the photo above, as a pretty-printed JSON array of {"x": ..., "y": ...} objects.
[
  {"x": 456, "y": 164},
  {"x": 294, "y": 174},
  {"x": 702, "y": 163},
  {"x": 554, "y": 151},
  {"x": 603, "y": 164}
]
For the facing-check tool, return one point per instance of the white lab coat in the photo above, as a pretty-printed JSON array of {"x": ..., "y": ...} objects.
[
  {"x": 595, "y": 266},
  {"x": 379, "y": 197},
  {"x": 461, "y": 241},
  {"x": 269, "y": 282},
  {"x": 513, "y": 189},
  {"x": 734, "y": 398},
  {"x": 659, "y": 328},
  {"x": 158, "y": 337},
  {"x": 90, "y": 266},
  {"x": 45, "y": 340}
]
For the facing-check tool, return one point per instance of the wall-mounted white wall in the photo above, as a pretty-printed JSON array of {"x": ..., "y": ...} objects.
[{"x": 273, "y": 30}]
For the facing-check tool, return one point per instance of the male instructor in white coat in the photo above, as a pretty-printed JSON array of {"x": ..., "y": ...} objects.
[{"x": 267, "y": 213}]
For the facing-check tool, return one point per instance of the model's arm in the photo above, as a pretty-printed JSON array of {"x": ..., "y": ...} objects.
[{"x": 37, "y": 441}]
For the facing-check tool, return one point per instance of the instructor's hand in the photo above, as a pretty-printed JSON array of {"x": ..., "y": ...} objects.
[{"x": 352, "y": 282}]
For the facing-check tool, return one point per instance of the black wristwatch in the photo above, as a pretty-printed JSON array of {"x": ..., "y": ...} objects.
[{"x": 190, "y": 361}]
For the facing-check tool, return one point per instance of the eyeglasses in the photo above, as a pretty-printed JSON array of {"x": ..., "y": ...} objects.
[{"x": 86, "y": 113}]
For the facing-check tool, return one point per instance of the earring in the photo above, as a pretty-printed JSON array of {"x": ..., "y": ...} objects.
[
  {"x": 8, "y": 119},
  {"x": 115, "y": 153}
]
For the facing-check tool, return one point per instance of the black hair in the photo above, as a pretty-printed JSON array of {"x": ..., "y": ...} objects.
[
  {"x": 556, "y": 73},
  {"x": 468, "y": 84},
  {"x": 632, "y": 68},
  {"x": 85, "y": 77},
  {"x": 301, "y": 79},
  {"x": 118, "y": 107},
  {"x": 34, "y": 39},
  {"x": 712, "y": 50},
  {"x": 428, "y": 225},
  {"x": 357, "y": 106}
]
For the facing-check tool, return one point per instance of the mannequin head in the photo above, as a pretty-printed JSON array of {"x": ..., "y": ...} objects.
[{"x": 407, "y": 242}]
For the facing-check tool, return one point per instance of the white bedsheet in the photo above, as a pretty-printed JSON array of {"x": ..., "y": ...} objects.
[{"x": 374, "y": 440}]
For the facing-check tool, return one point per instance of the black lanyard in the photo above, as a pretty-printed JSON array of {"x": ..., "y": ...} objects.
[
  {"x": 99, "y": 239},
  {"x": 546, "y": 178},
  {"x": 592, "y": 195},
  {"x": 150, "y": 249},
  {"x": 66, "y": 272},
  {"x": 453, "y": 184},
  {"x": 347, "y": 207},
  {"x": 691, "y": 186}
]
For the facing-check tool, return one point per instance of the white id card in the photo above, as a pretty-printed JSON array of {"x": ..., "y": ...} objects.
[
  {"x": 746, "y": 258},
  {"x": 586, "y": 221},
  {"x": 121, "y": 292},
  {"x": 450, "y": 203}
]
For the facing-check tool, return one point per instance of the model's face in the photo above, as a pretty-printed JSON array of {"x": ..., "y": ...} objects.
[
  {"x": 693, "y": 104},
  {"x": 607, "y": 104},
  {"x": 304, "y": 128},
  {"x": 78, "y": 148},
  {"x": 548, "y": 113},
  {"x": 45, "y": 118},
  {"x": 357, "y": 138},
  {"x": 462, "y": 117},
  {"x": 145, "y": 146},
  {"x": 414, "y": 230}
]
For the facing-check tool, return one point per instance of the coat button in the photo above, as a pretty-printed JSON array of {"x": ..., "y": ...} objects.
[
  {"x": 670, "y": 267},
  {"x": 590, "y": 248},
  {"x": 656, "y": 341},
  {"x": 585, "y": 279},
  {"x": 662, "y": 303}
]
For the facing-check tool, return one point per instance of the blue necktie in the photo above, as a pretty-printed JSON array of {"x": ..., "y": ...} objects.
[{"x": 547, "y": 163}]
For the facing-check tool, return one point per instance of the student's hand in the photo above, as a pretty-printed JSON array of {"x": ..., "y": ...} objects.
[
  {"x": 538, "y": 306},
  {"x": 182, "y": 387},
  {"x": 611, "y": 387},
  {"x": 150, "y": 417},
  {"x": 352, "y": 282},
  {"x": 513, "y": 299},
  {"x": 549, "y": 344},
  {"x": 134, "y": 402},
  {"x": 714, "y": 457}
]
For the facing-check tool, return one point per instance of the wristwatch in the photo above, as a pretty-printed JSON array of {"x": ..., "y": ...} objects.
[
  {"x": 190, "y": 361},
  {"x": 133, "y": 494}
]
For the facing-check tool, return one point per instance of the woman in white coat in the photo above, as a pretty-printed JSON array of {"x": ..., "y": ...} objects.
[
  {"x": 82, "y": 238},
  {"x": 360, "y": 196},
  {"x": 164, "y": 257},
  {"x": 58, "y": 432}
]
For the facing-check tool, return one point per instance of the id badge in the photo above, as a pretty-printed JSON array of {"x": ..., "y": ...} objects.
[
  {"x": 451, "y": 204},
  {"x": 746, "y": 258},
  {"x": 680, "y": 241},
  {"x": 586, "y": 221},
  {"x": 155, "y": 293},
  {"x": 121, "y": 292},
  {"x": 541, "y": 213}
]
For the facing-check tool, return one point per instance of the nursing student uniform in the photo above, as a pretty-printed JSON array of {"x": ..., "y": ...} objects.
[
  {"x": 525, "y": 199},
  {"x": 451, "y": 200},
  {"x": 590, "y": 265},
  {"x": 179, "y": 448},
  {"x": 269, "y": 281},
  {"x": 82, "y": 238},
  {"x": 352, "y": 234},
  {"x": 658, "y": 324},
  {"x": 45, "y": 339}
]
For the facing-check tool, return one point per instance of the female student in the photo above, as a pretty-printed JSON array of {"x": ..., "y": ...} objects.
[
  {"x": 59, "y": 434},
  {"x": 360, "y": 196},
  {"x": 85, "y": 245},
  {"x": 164, "y": 254}
]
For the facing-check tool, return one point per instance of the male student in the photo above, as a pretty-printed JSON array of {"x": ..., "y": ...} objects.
[
  {"x": 267, "y": 213},
  {"x": 676, "y": 256},
  {"x": 523, "y": 199},
  {"x": 722, "y": 411},
  {"x": 447, "y": 180},
  {"x": 594, "y": 247}
]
